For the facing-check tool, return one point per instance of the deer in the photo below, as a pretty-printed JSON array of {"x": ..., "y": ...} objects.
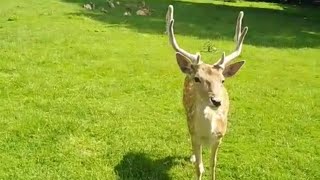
[{"x": 205, "y": 98}]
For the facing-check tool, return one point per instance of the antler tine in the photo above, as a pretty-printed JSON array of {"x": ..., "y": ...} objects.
[
  {"x": 169, "y": 17},
  {"x": 195, "y": 58},
  {"x": 238, "y": 49},
  {"x": 238, "y": 38},
  {"x": 238, "y": 27}
]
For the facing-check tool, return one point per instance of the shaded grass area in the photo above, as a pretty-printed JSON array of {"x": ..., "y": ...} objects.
[
  {"x": 141, "y": 166},
  {"x": 92, "y": 96},
  {"x": 271, "y": 25}
]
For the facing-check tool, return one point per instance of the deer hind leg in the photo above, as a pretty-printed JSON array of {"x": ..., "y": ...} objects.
[
  {"x": 214, "y": 152},
  {"x": 197, "y": 153}
]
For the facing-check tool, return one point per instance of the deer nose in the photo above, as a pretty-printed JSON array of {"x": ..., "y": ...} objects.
[{"x": 215, "y": 101}]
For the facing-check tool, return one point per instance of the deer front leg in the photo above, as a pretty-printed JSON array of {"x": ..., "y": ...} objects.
[
  {"x": 197, "y": 152},
  {"x": 214, "y": 151}
]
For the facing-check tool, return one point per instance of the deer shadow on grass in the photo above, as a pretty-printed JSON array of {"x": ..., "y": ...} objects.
[
  {"x": 135, "y": 165},
  {"x": 286, "y": 28}
]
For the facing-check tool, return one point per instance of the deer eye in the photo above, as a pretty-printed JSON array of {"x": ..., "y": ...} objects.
[
  {"x": 222, "y": 81},
  {"x": 196, "y": 79}
]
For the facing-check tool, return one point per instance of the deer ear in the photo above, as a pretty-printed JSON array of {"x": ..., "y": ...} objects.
[
  {"x": 184, "y": 63},
  {"x": 232, "y": 69}
]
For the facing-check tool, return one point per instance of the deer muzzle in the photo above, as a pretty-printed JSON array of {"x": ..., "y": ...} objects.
[{"x": 215, "y": 101}]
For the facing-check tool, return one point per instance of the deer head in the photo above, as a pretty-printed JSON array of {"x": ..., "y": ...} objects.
[{"x": 208, "y": 78}]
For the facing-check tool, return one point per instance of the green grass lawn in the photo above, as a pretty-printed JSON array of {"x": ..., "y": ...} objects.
[{"x": 89, "y": 95}]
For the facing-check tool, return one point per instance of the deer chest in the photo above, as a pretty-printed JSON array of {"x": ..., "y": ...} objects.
[{"x": 209, "y": 124}]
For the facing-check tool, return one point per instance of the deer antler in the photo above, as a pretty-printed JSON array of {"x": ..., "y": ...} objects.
[
  {"x": 238, "y": 38},
  {"x": 195, "y": 58}
]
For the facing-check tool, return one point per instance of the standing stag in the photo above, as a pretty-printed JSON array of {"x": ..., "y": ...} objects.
[{"x": 205, "y": 98}]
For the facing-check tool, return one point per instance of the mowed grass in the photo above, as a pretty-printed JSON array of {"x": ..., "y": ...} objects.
[{"x": 89, "y": 95}]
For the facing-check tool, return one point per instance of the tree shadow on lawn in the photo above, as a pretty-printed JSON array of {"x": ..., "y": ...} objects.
[
  {"x": 267, "y": 27},
  {"x": 138, "y": 166}
]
